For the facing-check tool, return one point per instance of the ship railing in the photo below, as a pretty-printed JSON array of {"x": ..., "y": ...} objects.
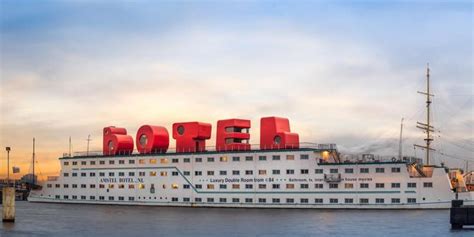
[{"x": 252, "y": 148}]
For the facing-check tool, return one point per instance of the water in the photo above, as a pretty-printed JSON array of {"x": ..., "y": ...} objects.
[{"x": 41, "y": 219}]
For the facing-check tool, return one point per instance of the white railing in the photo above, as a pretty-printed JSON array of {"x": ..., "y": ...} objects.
[{"x": 253, "y": 147}]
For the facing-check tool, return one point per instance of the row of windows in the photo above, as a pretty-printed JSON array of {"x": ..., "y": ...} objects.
[
  {"x": 221, "y": 172},
  {"x": 187, "y": 160},
  {"x": 259, "y": 200},
  {"x": 249, "y": 186},
  {"x": 361, "y": 170}
]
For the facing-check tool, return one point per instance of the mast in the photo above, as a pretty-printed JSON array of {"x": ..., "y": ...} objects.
[
  {"x": 427, "y": 127},
  {"x": 34, "y": 181},
  {"x": 400, "y": 143},
  {"x": 70, "y": 146},
  {"x": 88, "y": 141}
]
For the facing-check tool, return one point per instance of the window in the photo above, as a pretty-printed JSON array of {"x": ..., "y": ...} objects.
[
  {"x": 66, "y": 163},
  {"x": 83, "y": 174},
  {"x": 318, "y": 171},
  {"x": 186, "y": 173},
  {"x": 248, "y": 186},
  {"x": 364, "y": 201},
  {"x": 364, "y": 185},
  {"x": 210, "y": 159},
  {"x": 83, "y": 186},
  {"x": 223, "y": 172},
  {"x": 66, "y": 185},
  {"x": 92, "y": 162},
  {"x": 152, "y": 161},
  {"x": 304, "y": 171},
  {"x": 83, "y": 162},
  {"x": 411, "y": 185},
  {"x": 262, "y": 200},
  {"x": 74, "y": 174},
  {"x": 92, "y": 174},
  {"x": 349, "y": 185},
  {"x": 131, "y": 186},
  {"x": 333, "y": 186},
  {"x": 395, "y": 185},
  {"x": 395, "y": 169},
  {"x": 164, "y": 161},
  {"x": 121, "y": 174},
  {"x": 210, "y": 186},
  {"x": 318, "y": 186},
  {"x": 275, "y": 171},
  {"x": 222, "y": 199},
  {"x": 235, "y": 172},
  {"x": 235, "y": 158},
  {"x": 92, "y": 186},
  {"x": 186, "y": 186},
  {"x": 379, "y": 200},
  {"x": 379, "y": 185},
  {"x": 102, "y": 162},
  {"x": 290, "y": 171},
  {"x": 111, "y": 186},
  {"x": 152, "y": 173},
  {"x": 92, "y": 197},
  {"x": 198, "y": 199},
  {"x": 275, "y": 186},
  {"x": 249, "y": 172},
  {"x": 131, "y": 174},
  {"x": 141, "y": 173},
  {"x": 174, "y": 199},
  {"x": 395, "y": 200},
  {"x": 364, "y": 170},
  {"x": 141, "y": 186},
  {"x": 174, "y": 173},
  {"x": 131, "y": 162},
  {"x": 262, "y": 158},
  {"x": 235, "y": 186},
  {"x": 248, "y": 200},
  {"x": 111, "y": 174},
  {"x": 223, "y": 159},
  {"x": 290, "y": 200},
  {"x": 49, "y": 185},
  {"x": 349, "y": 170},
  {"x": 121, "y": 186},
  {"x": 290, "y": 186},
  {"x": 162, "y": 173},
  {"x": 411, "y": 200},
  {"x": 74, "y": 163},
  {"x": 333, "y": 171},
  {"x": 290, "y": 157},
  {"x": 198, "y": 159},
  {"x": 275, "y": 200},
  {"x": 66, "y": 174},
  {"x": 186, "y": 160},
  {"x": 304, "y": 157},
  {"x": 197, "y": 173},
  {"x": 318, "y": 200},
  {"x": 427, "y": 185},
  {"x": 174, "y": 160},
  {"x": 333, "y": 200},
  {"x": 379, "y": 170},
  {"x": 262, "y": 186},
  {"x": 304, "y": 186},
  {"x": 249, "y": 158},
  {"x": 348, "y": 200},
  {"x": 186, "y": 199},
  {"x": 275, "y": 157},
  {"x": 262, "y": 172},
  {"x": 121, "y": 162},
  {"x": 111, "y": 162},
  {"x": 210, "y": 172},
  {"x": 101, "y": 174},
  {"x": 222, "y": 186}
]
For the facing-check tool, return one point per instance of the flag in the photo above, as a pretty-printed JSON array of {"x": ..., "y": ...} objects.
[{"x": 16, "y": 169}]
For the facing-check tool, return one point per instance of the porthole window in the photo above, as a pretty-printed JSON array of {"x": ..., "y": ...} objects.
[
  {"x": 143, "y": 140},
  {"x": 277, "y": 140},
  {"x": 180, "y": 130}
]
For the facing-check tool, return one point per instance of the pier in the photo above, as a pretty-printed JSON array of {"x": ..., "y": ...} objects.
[{"x": 461, "y": 215}]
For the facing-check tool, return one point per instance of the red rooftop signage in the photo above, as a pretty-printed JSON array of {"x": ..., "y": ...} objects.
[{"x": 232, "y": 135}]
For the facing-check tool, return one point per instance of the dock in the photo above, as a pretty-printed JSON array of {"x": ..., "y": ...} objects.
[{"x": 461, "y": 215}]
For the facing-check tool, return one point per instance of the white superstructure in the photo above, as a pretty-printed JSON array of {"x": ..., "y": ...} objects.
[{"x": 295, "y": 178}]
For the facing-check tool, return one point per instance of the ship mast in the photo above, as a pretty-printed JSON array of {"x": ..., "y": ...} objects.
[
  {"x": 427, "y": 127},
  {"x": 400, "y": 144}
]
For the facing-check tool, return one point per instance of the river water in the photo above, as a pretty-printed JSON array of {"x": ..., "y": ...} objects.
[{"x": 41, "y": 219}]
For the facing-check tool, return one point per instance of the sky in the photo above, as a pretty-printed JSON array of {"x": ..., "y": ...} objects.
[{"x": 343, "y": 72}]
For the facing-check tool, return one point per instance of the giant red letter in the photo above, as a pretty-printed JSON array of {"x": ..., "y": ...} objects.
[
  {"x": 116, "y": 141},
  {"x": 191, "y": 136},
  {"x": 275, "y": 134},
  {"x": 232, "y": 134},
  {"x": 152, "y": 139}
]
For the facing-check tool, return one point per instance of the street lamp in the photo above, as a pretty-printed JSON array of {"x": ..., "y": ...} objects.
[{"x": 8, "y": 165}]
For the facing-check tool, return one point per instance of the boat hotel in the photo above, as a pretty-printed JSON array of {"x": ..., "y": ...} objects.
[{"x": 280, "y": 172}]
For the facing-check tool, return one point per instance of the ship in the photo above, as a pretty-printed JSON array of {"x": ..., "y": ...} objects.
[{"x": 279, "y": 172}]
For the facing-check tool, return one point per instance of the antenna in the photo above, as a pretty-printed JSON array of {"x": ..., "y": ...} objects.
[
  {"x": 400, "y": 143},
  {"x": 88, "y": 141},
  {"x": 426, "y": 127},
  {"x": 70, "y": 146}
]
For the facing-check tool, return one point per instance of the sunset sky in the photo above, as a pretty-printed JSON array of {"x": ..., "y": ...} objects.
[{"x": 343, "y": 72}]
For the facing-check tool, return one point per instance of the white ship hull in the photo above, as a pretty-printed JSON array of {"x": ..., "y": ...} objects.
[{"x": 252, "y": 179}]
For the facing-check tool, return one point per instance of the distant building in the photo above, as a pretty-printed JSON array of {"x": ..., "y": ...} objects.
[{"x": 28, "y": 178}]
